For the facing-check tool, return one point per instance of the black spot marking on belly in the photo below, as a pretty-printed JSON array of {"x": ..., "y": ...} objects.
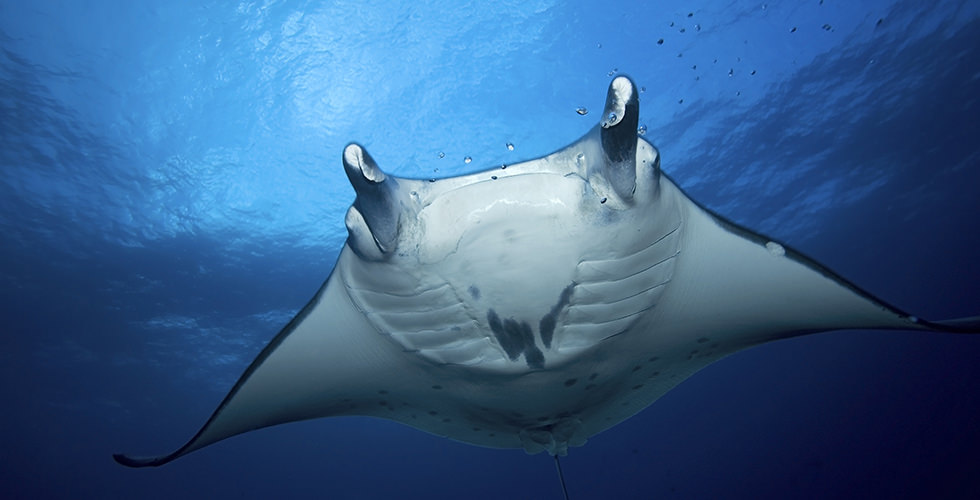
[
  {"x": 474, "y": 292},
  {"x": 550, "y": 320},
  {"x": 516, "y": 338}
]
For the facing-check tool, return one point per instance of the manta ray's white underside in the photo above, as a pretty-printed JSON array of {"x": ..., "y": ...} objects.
[{"x": 536, "y": 305}]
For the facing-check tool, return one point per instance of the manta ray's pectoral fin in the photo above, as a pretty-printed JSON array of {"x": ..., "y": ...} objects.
[
  {"x": 327, "y": 361},
  {"x": 618, "y": 136},
  {"x": 758, "y": 290}
]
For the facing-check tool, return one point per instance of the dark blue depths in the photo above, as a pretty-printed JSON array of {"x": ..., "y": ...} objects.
[{"x": 171, "y": 193}]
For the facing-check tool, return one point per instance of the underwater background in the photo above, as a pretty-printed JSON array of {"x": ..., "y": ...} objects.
[{"x": 171, "y": 193}]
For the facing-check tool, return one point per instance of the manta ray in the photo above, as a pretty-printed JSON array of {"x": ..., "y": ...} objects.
[{"x": 534, "y": 305}]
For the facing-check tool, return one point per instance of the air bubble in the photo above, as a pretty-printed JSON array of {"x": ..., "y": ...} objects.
[
  {"x": 467, "y": 159},
  {"x": 441, "y": 154},
  {"x": 775, "y": 249},
  {"x": 510, "y": 146},
  {"x": 493, "y": 177},
  {"x": 582, "y": 110},
  {"x": 642, "y": 130}
]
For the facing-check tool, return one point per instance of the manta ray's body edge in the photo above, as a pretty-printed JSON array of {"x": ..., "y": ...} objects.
[{"x": 380, "y": 238}]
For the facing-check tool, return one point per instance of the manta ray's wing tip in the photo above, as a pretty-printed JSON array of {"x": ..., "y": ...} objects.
[
  {"x": 969, "y": 324},
  {"x": 129, "y": 461}
]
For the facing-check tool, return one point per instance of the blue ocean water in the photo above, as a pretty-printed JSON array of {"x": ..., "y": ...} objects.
[{"x": 171, "y": 193}]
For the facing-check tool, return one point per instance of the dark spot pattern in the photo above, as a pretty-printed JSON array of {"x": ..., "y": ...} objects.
[
  {"x": 550, "y": 320},
  {"x": 593, "y": 376},
  {"x": 437, "y": 387},
  {"x": 474, "y": 292},
  {"x": 703, "y": 340},
  {"x": 570, "y": 382},
  {"x": 516, "y": 338}
]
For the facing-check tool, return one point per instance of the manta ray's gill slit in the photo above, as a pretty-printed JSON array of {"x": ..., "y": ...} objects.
[{"x": 600, "y": 272}]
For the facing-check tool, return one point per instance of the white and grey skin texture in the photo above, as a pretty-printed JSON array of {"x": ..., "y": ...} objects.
[{"x": 536, "y": 305}]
